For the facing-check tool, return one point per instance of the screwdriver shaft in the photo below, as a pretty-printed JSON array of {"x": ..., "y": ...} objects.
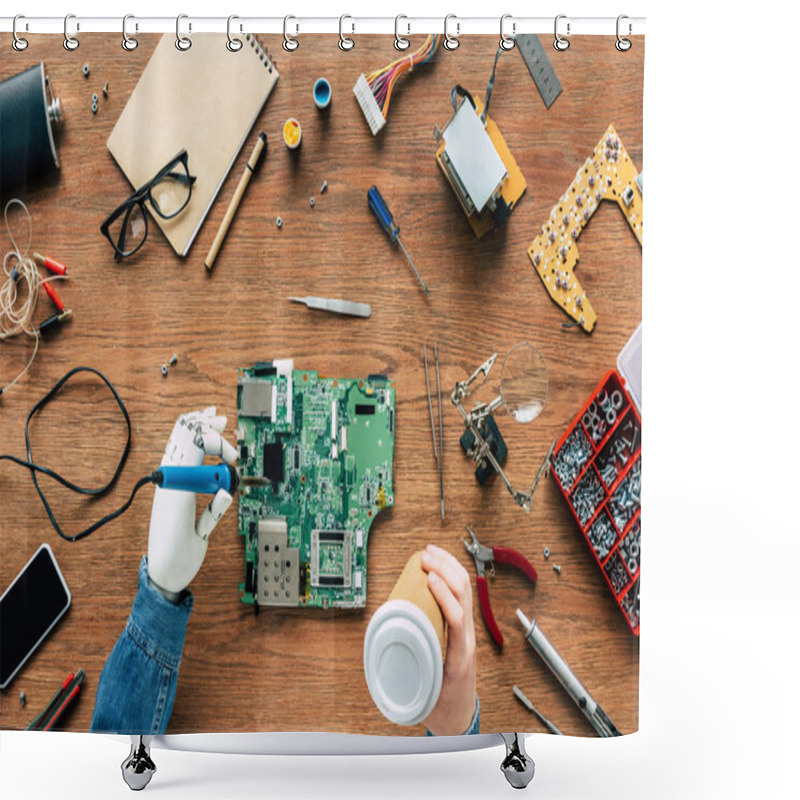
[{"x": 419, "y": 277}]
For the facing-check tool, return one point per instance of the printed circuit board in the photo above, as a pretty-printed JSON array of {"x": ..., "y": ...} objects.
[
  {"x": 608, "y": 174},
  {"x": 315, "y": 463}
]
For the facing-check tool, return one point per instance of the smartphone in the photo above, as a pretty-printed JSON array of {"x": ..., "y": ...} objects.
[{"x": 29, "y": 610}]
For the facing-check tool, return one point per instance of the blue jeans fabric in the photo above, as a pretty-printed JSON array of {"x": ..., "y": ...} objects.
[
  {"x": 136, "y": 689},
  {"x": 137, "y": 685}
]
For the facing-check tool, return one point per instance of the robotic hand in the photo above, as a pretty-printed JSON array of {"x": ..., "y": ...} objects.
[{"x": 177, "y": 544}]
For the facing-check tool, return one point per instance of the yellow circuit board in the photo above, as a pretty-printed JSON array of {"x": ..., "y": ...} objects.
[
  {"x": 513, "y": 186},
  {"x": 608, "y": 174}
]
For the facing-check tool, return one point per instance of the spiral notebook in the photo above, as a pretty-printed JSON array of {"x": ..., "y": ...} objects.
[{"x": 205, "y": 99}]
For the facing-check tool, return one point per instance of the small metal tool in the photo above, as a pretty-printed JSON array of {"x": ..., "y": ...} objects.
[
  {"x": 441, "y": 428},
  {"x": 430, "y": 404},
  {"x": 482, "y": 441},
  {"x": 542, "y": 718},
  {"x": 345, "y": 307},
  {"x": 544, "y": 468},
  {"x": 484, "y": 556},
  {"x": 566, "y": 677},
  {"x": 381, "y": 211},
  {"x": 540, "y": 66},
  {"x": 438, "y": 453}
]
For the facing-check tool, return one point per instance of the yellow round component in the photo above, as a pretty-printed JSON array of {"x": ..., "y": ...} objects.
[{"x": 292, "y": 133}]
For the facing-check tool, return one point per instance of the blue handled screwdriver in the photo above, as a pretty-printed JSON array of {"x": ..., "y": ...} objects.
[{"x": 381, "y": 211}]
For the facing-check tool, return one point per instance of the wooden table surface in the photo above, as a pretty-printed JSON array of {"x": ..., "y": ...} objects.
[{"x": 296, "y": 669}]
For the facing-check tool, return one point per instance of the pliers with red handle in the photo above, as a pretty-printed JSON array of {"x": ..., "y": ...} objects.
[{"x": 491, "y": 555}]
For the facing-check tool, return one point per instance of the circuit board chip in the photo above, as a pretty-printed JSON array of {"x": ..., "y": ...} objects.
[{"x": 315, "y": 467}]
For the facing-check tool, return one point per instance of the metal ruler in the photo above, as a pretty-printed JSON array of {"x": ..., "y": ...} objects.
[{"x": 542, "y": 72}]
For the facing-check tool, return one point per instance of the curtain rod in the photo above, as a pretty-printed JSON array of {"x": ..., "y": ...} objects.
[{"x": 294, "y": 25}]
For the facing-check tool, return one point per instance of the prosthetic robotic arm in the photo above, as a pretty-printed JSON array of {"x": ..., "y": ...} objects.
[{"x": 177, "y": 544}]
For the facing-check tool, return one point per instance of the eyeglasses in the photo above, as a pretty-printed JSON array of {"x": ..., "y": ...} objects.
[{"x": 168, "y": 194}]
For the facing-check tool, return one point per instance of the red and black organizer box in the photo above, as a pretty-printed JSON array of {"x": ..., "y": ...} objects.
[{"x": 597, "y": 467}]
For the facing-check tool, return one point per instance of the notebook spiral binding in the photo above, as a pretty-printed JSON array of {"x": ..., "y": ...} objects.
[{"x": 260, "y": 48}]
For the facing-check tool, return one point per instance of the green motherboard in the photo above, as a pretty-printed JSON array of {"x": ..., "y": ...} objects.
[{"x": 315, "y": 468}]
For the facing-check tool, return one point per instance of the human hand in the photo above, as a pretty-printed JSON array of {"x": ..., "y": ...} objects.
[
  {"x": 177, "y": 545},
  {"x": 450, "y": 585}
]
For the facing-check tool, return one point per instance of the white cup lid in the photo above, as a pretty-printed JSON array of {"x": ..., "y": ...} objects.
[{"x": 403, "y": 662}]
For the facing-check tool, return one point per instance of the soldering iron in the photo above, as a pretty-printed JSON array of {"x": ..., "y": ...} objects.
[{"x": 203, "y": 479}]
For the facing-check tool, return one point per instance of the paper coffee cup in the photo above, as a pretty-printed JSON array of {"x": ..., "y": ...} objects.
[{"x": 403, "y": 649}]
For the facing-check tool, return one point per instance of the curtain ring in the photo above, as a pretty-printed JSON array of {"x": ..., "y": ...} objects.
[
  {"x": 451, "y": 42},
  {"x": 70, "y": 42},
  {"x": 507, "y": 42},
  {"x": 128, "y": 42},
  {"x": 183, "y": 43},
  {"x": 560, "y": 43},
  {"x": 290, "y": 43},
  {"x": 345, "y": 42},
  {"x": 234, "y": 44},
  {"x": 400, "y": 42},
  {"x": 622, "y": 44},
  {"x": 19, "y": 44}
]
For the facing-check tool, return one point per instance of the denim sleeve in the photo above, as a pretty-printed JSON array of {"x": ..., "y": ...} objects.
[
  {"x": 136, "y": 689},
  {"x": 474, "y": 726}
]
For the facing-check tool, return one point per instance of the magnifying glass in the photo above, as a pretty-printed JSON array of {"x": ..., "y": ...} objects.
[{"x": 523, "y": 382}]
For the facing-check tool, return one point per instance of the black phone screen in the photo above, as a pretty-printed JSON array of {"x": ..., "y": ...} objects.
[{"x": 28, "y": 610}]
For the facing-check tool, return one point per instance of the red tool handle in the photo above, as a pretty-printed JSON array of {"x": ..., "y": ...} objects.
[
  {"x": 486, "y": 610},
  {"x": 505, "y": 555},
  {"x": 57, "y": 301},
  {"x": 64, "y": 703}
]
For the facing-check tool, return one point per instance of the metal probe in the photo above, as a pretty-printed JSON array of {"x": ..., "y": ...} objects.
[
  {"x": 346, "y": 307},
  {"x": 381, "y": 211},
  {"x": 441, "y": 429},
  {"x": 566, "y": 677},
  {"x": 542, "y": 718},
  {"x": 430, "y": 404}
]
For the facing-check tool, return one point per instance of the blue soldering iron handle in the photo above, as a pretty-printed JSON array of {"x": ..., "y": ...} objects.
[
  {"x": 205, "y": 479},
  {"x": 381, "y": 211}
]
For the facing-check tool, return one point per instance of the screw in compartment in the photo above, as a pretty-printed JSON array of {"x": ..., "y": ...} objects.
[
  {"x": 174, "y": 359},
  {"x": 86, "y": 70},
  {"x": 324, "y": 187},
  {"x": 22, "y": 699},
  {"x": 557, "y": 569},
  {"x": 546, "y": 553},
  {"x": 164, "y": 370},
  {"x": 279, "y": 223},
  {"x": 311, "y": 201},
  {"x": 105, "y": 89}
]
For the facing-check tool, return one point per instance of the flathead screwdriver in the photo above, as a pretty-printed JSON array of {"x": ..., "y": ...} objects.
[{"x": 381, "y": 211}]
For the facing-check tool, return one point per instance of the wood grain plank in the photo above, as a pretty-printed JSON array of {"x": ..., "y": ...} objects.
[{"x": 295, "y": 669}]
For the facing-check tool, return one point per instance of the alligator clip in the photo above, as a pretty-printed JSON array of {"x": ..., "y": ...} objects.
[{"x": 489, "y": 555}]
